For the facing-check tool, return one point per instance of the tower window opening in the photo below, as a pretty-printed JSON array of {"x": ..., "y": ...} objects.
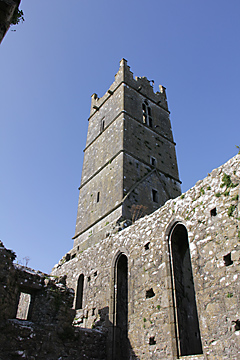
[
  {"x": 147, "y": 114},
  {"x": 98, "y": 196},
  {"x": 153, "y": 161},
  {"x": 102, "y": 125},
  {"x": 155, "y": 196},
  {"x": 150, "y": 122}
]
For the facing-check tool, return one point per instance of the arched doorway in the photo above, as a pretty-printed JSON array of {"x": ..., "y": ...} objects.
[
  {"x": 185, "y": 307},
  {"x": 120, "y": 318}
]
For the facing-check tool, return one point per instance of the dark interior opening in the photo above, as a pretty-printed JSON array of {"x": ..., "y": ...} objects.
[
  {"x": 79, "y": 295},
  {"x": 186, "y": 317},
  {"x": 213, "y": 212},
  {"x": 227, "y": 260},
  {"x": 121, "y": 351}
]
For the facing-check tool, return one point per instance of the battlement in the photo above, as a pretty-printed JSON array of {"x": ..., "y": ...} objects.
[{"x": 140, "y": 84}]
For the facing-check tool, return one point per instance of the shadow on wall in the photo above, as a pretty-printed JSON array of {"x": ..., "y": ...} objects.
[
  {"x": 118, "y": 346},
  {"x": 36, "y": 307}
]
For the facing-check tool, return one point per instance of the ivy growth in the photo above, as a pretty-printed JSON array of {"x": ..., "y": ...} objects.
[
  {"x": 226, "y": 181},
  {"x": 231, "y": 210},
  {"x": 17, "y": 17}
]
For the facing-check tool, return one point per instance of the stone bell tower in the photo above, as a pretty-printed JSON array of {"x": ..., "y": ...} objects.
[{"x": 130, "y": 166}]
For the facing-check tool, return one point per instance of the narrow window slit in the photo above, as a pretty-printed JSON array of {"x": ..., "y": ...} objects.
[
  {"x": 98, "y": 196},
  {"x": 154, "y": 195},
  {"x": 153, "y": 161}
]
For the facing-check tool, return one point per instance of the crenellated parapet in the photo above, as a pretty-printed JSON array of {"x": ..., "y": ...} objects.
[{"x": 140, "y": 84}]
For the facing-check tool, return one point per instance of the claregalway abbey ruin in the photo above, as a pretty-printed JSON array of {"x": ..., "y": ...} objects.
[{"x": 153, "y": 273}]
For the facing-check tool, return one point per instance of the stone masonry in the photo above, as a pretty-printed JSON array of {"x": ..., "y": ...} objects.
[
  {"x": 210, "y": 214},
  {"x": 129, "y": 159},
  {"x": 36, "y": 317},
  {"x": 160, "y": 286},
  {"x": 165, "y": 287}
]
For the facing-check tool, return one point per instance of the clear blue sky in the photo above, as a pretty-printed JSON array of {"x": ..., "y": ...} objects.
[{"x": 67, "y": 50}]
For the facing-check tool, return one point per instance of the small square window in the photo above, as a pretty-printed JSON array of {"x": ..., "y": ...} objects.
[
  {"x": 227, "y": 260},
  {"x": 213, "y": 212}
]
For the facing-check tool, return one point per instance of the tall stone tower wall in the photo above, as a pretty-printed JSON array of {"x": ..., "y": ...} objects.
[{"x": 129, "y": 157}]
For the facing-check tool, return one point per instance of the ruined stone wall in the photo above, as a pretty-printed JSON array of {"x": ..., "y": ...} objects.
[
  {"x": 210, "y": 213},
  {"x": 26, "y": 340},
  {"x": 38, "y": 324}
]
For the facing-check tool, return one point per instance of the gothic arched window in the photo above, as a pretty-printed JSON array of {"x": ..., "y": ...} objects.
[
  {"x": 147, "y": 114},
  {"x": 186, "y": 317},
  {"x": 79, "y": 293}
]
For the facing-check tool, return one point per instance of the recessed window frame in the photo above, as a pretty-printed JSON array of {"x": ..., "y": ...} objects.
[
  {"x": 102, "y": 125},
  {"x": 98, "y": 196},
  {"x": 27, "y": 306},
  {"x": 147, "y": 114},
  {"x": 153, "y": 161},
  {"x": 155, "y": 198}
]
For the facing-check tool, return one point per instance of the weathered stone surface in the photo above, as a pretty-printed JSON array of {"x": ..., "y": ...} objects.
[
  {"x": 44, "y": 329},
  {"x": 166, "y": 287},
  {"x": 129, "y": 154},
  {"x": 212, "y": 235}
]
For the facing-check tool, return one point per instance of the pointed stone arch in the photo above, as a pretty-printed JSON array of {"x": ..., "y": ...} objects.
[
  {"x": 187, "y": 331},
  {"x": 79, "y": 293},
  {"x": 120, "y": 349}
]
